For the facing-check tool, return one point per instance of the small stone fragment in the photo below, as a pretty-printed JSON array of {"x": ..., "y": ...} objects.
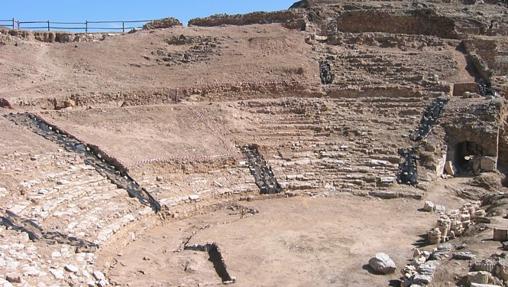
[
  {"x": 428, "y": 268},
  {"x": 440, "y": 255},
  {"x": 501, "y": 269},
  {"x": 421, "y": 279},
  {"x": 13, "y": 278},
  {"x": 3, "y": 192},
  {"x": 57, "y": 273},
  {"x": 461, "y": 246},
  {"x": 449, "y": 168},
  {"x": 487, "y": 265},
  {"x": 463, "y": 255},
  {"x": 71, "y": 268},
  {"x": 481, "y": 277},
  {"x": 440, "y": 208},
  {"x": 99, "y": 275},
  {"x": 445, "y": 247},
  {"x": 428, "y": 206},
  {"x": 5, "y": 283}
]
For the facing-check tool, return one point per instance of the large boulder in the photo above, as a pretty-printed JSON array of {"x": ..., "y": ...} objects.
[{"x": 382, "y": 264}]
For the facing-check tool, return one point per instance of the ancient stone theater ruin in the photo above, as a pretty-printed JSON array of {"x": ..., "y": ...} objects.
[{"x": 335, "y": 143}]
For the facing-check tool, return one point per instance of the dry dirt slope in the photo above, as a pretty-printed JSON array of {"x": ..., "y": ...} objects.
[{"x": 150, "y": 62}]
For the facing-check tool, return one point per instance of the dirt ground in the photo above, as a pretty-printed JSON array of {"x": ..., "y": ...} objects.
[
  {"x": 290, "y": 242},
  {"x": 140, "y": 135},
  {"x": 132, "y": 63}
]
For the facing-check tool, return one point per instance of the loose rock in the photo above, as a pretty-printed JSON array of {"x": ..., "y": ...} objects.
[
  {"x": 5, "y": 283},
  {"x": 382, "y": 264},
  {"x": 13, "y": 278},
  {"x": 465, "y": 255},
  {"x": 57, "y": 273},
  {"x": 99, "y": 275},
  {"x": 481, "y": 277},
  {"x": 71, "y": 268}
]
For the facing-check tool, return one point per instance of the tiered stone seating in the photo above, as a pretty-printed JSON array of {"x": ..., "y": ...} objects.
[
  {"x": 337, "y": 144},
  {"x": 175, "y": 187}
]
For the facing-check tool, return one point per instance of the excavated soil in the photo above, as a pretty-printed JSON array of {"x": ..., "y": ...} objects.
[{"x": 288, "y": 242}]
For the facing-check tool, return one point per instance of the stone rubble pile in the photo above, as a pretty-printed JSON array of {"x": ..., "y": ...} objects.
[
  {"x": 422, "y": 268},
  {"x": 420, "y": 271},
  {"x": 454, "y": 223},
  {"x": 493, "y": 270}
]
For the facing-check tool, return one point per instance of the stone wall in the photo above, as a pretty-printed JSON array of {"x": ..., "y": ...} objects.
[
  {"x": 459, "y": 89},
  {"x": 54, "y": 37},
  {"x": 289, "y": 19},
  {"x": 423, "y": 22},
  {"x": 480, "y": 128},
  {"x": 162, "y": 23}
]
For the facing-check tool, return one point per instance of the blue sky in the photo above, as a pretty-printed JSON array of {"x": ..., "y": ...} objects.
[{"x": 80, "y": 10}]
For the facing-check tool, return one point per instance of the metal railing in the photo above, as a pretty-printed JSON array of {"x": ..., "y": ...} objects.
[
  {"x": 87, "y": 26},
  {"x": 11, "y": 23}
]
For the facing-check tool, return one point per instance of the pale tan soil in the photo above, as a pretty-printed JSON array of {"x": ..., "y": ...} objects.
[
  {"x": 253, "y": 54},
  {"x": 290, "y": 242},
  {"x": 140, "y": 135},
  {"x": 18, "y": 140},
  {"x": 443, "y": 192}
]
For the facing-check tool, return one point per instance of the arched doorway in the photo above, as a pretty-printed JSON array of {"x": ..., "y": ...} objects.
[{"x": 467, "y": 158}]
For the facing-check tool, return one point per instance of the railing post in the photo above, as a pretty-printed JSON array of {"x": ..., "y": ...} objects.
[
  {"x": 86, "y": 26},
  {"x": 49, "y": 27},
  {"x": 123, "y": 26},
  {"x": 13, "y": 23}
]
